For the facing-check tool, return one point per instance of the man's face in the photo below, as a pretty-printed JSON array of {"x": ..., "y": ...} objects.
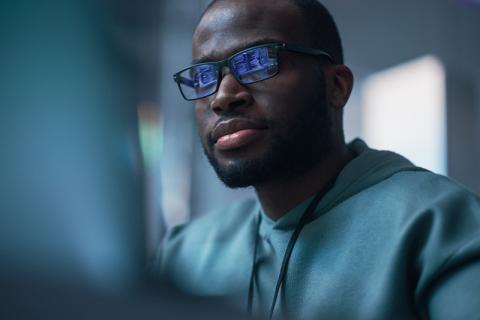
[{"x": 268, "y": 130}]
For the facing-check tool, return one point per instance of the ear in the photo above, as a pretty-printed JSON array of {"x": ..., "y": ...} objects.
[{"x": 339, "y": 85}]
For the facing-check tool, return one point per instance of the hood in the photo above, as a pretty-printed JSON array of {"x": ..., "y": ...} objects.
[{"x": 368, "y": 168}]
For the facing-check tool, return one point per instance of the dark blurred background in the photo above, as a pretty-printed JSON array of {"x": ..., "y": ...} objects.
[{"x": 99, "y": 153}]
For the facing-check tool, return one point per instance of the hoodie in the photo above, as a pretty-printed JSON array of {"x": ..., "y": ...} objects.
[{"x": 389, "y": 240}]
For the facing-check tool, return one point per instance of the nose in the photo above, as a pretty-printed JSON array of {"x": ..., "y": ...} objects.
[{"x": 231, "y": 95}]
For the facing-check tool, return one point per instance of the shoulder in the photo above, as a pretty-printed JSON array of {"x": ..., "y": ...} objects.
[
  {"x": 423, "y": 190},
  {"x": 215, "y": 224},
  {"x": 208, "y": 254},
  {"x": 206, "y": 236},
  {"x": 440, "y": 221},
  {"x": 426, "y": 209},
  {"x": 421, "y": 229}
]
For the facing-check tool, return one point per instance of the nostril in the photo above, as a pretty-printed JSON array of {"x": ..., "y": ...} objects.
[
  {"x": 216, "y": 108},
  {"x": 237, "y": 103},
  {"x": 225, "y": 106}
]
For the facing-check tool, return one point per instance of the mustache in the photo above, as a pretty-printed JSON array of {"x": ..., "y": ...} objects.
[{"x": 227, "y": 125}]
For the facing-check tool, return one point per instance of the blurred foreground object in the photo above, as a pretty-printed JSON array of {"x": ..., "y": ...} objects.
[
  {"x": 72, "y": 230},
  {"x": 71, "y": 202},
  {"x": 33, "y": 299}
]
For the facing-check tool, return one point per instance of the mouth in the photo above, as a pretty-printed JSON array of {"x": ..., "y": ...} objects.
[{"x": 236, "y": 133}]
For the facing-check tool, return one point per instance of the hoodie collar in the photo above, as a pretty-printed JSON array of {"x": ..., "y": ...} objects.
[{"x": 368, "y": 168}]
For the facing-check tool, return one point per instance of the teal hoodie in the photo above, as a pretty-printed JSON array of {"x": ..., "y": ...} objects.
[{"x": 389, "y": 241}]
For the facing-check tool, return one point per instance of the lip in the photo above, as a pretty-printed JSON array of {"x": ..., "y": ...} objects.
[{"x": 236, "y": 133}]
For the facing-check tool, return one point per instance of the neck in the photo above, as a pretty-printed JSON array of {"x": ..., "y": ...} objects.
[{"x": 279, "y": 196}]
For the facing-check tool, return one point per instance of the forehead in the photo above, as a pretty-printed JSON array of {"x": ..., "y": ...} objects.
[{"x": 232, "y": 25}]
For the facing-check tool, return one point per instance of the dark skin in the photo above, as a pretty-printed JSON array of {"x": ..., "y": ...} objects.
[{"x": 230, "y": 26}]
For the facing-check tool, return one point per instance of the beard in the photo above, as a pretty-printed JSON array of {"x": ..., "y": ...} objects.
[{"x": 293, "y": 149}]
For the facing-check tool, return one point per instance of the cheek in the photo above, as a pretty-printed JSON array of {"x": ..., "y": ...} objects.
[
  {"x": 282, "y": 96},
  {"x": 203, "y": 120}
]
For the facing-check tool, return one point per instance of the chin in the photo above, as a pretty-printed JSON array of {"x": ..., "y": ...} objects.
[
  {"x": 235, "y": 180},
  {"x": 240, "y": 173}
]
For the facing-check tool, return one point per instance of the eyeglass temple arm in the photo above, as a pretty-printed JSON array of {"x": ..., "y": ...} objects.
[
  {"x": 300, "y": 49},
  {"x": 183, "y": 80}
]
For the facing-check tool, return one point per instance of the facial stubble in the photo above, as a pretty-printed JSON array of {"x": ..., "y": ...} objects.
[{"x": 291, "y": 151}]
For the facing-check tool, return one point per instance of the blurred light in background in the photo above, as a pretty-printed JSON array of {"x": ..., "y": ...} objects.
[
  {"x": 178, "y": 162},
  {"x": 150, "y": 127},
  {"x": 150, "y": 132},
  {"x": 404, "y": 110}
]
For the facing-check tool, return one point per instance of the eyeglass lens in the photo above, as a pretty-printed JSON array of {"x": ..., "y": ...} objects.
[{"x": 249, "y": 66}]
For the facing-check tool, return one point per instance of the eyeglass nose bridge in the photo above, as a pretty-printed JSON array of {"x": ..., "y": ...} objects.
[{"x": 220, "y": 65}]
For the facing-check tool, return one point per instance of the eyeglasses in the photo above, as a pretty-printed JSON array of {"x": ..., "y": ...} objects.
[{"x": 247, "y": 66}]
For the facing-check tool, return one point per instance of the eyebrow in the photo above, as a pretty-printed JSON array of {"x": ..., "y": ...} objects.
[{"x": 205, "y": 59}]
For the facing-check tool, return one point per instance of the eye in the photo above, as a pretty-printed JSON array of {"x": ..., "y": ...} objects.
[
  {"x": 255, "y": 64},
  {"x": 251, "y": 61},
  {"x": 204, "y": 75}
]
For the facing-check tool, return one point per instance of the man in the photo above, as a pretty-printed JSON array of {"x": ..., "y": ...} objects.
[{"x": 338, "y": 231}]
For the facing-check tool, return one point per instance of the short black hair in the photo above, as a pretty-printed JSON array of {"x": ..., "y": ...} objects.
[{"x": 321, "y": 26}]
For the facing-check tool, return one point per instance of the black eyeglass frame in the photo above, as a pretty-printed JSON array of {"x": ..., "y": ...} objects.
[{"x": 227, "y": 63}]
